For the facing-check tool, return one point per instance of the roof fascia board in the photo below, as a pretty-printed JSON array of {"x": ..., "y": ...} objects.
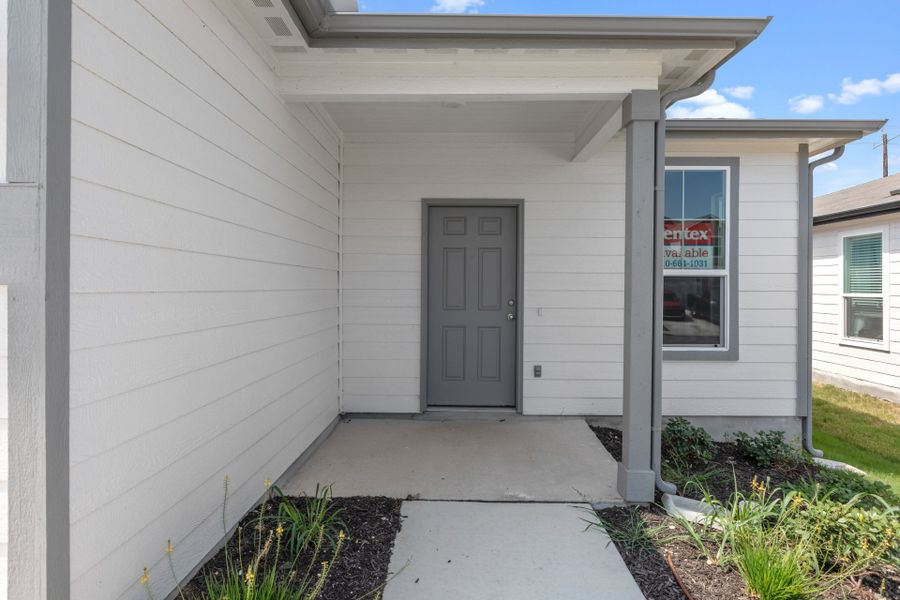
[
  {"x": 320, "y": 23},
  {"x": 840, "y": 131},
  {"x": 512, "y": 42},
  {"x": 775, "y": 127},
  {"x": 858, "y": 213},
  {"x": 468, "y": 25}
]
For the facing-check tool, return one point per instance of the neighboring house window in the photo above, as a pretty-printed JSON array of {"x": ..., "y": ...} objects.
[
  {"x": 864, "y": 288},
  {"x": 699, "y": 260}
]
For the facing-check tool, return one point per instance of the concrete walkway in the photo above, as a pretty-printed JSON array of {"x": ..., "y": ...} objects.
[
  {"x": 504, "y": 551},
  {"x": 517, "y": 459}
]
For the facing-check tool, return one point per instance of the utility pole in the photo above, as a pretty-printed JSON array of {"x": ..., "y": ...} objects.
[{"x": 884, "y": 154}]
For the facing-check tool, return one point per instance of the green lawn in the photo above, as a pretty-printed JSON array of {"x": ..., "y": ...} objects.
[{"x": 860, "y": 430}]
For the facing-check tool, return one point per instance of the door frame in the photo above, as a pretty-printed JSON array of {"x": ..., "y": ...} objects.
[{"x": 519, "y": 205}]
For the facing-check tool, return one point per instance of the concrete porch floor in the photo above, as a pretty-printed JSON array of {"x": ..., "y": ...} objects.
[{"x": 512, "y": 459}]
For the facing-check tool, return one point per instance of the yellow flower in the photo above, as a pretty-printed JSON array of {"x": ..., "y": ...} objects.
[
  {"x": 145, "y": 578},
  {"x": 267, "y": 483},
  {"x": 169, "y": 548},
  {"x": 324, "y": 565},
  {"x": 279, "y": 531},
  {"x": 797, "y": 500},
  {"x": 757, "y": 486},
  {"x": 341, "y": 535},
  {"x": 248, "y": 577}
]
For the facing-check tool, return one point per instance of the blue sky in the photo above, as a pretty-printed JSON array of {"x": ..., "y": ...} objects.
[{"x": 830, "y": 59}]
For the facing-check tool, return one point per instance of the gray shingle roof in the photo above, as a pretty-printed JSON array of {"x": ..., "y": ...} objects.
[{"x": 858, "y": 201}]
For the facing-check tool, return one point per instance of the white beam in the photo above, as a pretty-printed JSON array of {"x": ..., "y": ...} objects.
[
  {"x": 437, "y": 89},
  {"x": 462, "y": 80},
  {"x": 605, "y": 124}
]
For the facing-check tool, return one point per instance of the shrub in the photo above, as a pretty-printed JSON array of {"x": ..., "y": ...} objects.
[
  {"x": 845, "y": 536},
  {"x": 829, "y": 541},
  {"x": 843, "y": 486},
  {"x": 768, "y": 448},
  {"x": 685, "y": 444},
  {"x": 303, "y": 525}
]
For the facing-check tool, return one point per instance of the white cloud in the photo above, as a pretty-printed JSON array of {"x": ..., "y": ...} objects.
[
  {"x": 456, "y": 6},
  {"x": 743, "y": 92},
  {"x": 832, "y": 166},
  {"x": 853, "y": 91},
  {"x": 806, "y": 105},
  {"x": 709, "y": 105}
]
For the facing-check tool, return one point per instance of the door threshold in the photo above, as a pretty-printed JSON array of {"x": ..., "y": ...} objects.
[{"x": 467, "y": 413}]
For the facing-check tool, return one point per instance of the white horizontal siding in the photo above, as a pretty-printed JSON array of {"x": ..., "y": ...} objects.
[
  {"x": 204, "y": 285},
  {"x": 830, "y": 356},
  {"x": 574, "y": 273},
  {"x": 763, "y": 382},
  {"x": 574, "y": 247}
]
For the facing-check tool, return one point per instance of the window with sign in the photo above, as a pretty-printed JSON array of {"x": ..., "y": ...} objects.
[
  {"x": 864, "y": 288},
  {"x": 696, "y": 259}
]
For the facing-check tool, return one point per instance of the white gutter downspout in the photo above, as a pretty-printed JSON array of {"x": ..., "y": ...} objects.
[
  {"x": 659, "y": 226},
  {"x": 805, "y": 369}
]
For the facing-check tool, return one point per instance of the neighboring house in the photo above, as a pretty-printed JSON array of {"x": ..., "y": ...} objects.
[
  {"x": 230, "y": 221},
  {"x": 856, "y": 288}
]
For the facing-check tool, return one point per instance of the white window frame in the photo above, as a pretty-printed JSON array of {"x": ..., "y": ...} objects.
[
  {"x": 885, "y": 295},
  {"x": 724, "y": 274}
]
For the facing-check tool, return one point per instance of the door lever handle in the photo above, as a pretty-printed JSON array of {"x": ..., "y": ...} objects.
[{"x": 510, "y": 317}]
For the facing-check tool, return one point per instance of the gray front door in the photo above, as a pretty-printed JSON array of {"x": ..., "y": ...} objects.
[{"x": 472, "y": 305}]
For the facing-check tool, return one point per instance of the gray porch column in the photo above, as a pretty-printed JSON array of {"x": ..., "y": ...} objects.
[
  {"x": 636, "y": 480},
  {"x": 34, "y": 264}
]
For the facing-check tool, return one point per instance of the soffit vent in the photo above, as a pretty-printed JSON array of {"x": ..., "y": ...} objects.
[
  {"x": 278, "y": 26},
  {"x": 263, "y": 3}
]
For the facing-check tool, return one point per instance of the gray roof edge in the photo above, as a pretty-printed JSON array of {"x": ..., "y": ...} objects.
[
  {"x": 320, "y": 23},
  {"x": 777, "y": 125},
  {"x": 858, "y": 213},
  {"x": 843, "y": 130}
]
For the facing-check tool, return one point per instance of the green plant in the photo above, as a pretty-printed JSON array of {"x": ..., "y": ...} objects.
[
  {"x": 742, "y": 513},
  {"x": 843, "y": 486},
  {"x": 685, "y": 444},
  {"x": 771, "y": 569},
  {"x": 262, "y": 578},
  {"x": 304, "y": 524},
  {"x": 768, "y": 448},
  {"x": 847, "y": 537},
  {"x": 632, "y": 533},
  {"x": 688, "y": 478},
  {"x": 791, "y": 545}
]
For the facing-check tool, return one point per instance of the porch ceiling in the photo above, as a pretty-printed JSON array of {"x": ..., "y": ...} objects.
[
  {"x": 566, "y": 117},
  {"x": 323, "y": 56}
]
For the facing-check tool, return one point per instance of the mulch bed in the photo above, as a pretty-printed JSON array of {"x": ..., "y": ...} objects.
[
  {"x": 704, "y": 581},
  {"x": 650, "y": 569},
  {"x": 371, "y": 524},
  {"x": 725, "y": 469}
]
